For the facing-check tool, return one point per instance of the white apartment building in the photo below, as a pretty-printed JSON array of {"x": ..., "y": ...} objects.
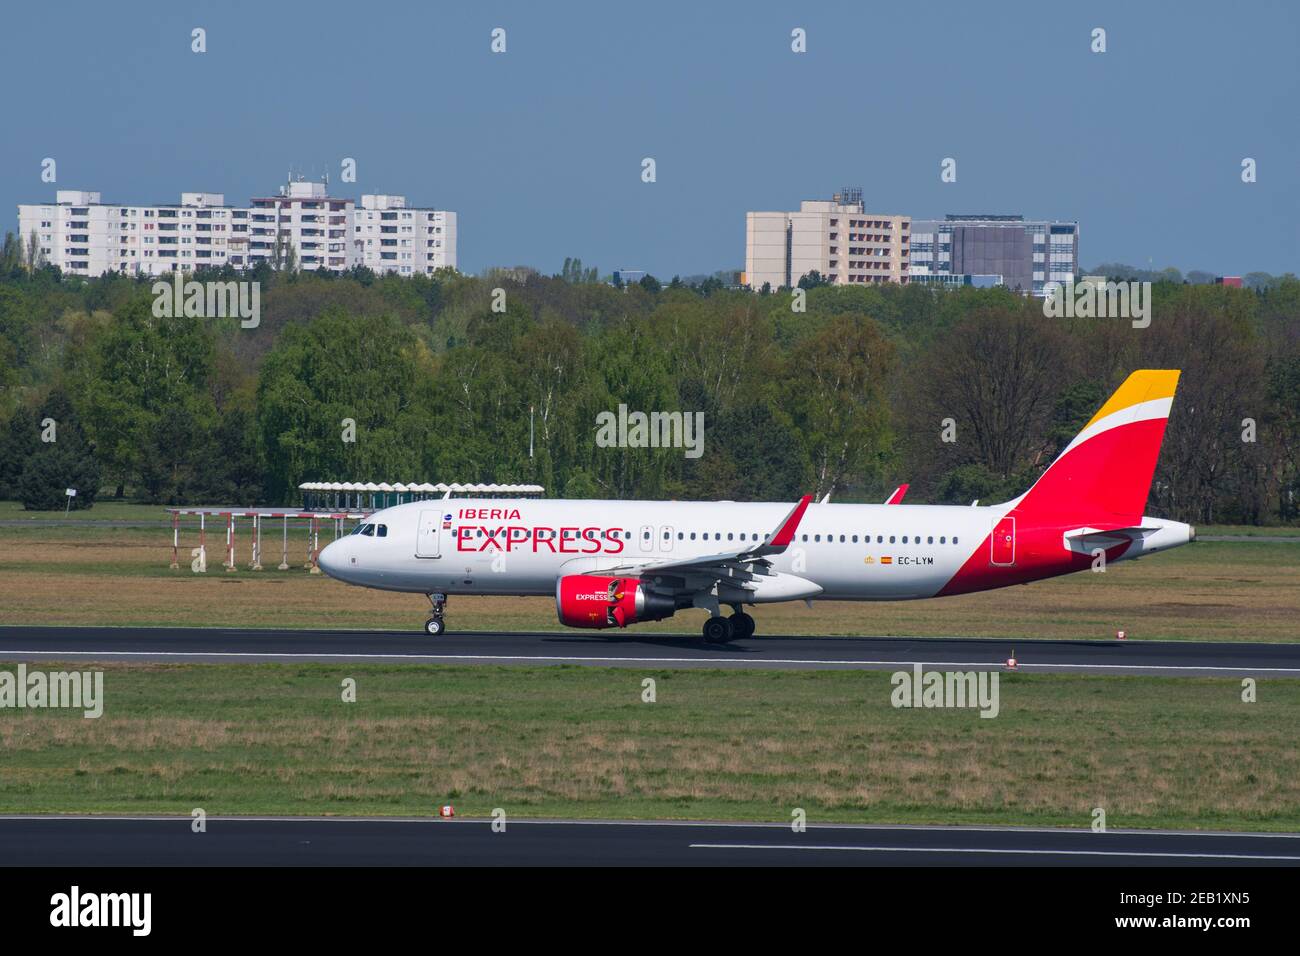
[
  {"x": 390, "y": 237},
  {"x": 82, "y": 235},
  {"x": 317, "y": 227},
  {"x": 838, "y": 239}
]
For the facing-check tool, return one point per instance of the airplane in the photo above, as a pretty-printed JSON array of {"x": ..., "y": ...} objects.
[{"x": 611, "y": 564}]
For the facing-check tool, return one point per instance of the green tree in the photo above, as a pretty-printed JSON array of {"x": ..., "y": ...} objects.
[
  {"x": 18, "y": 442},
  {"x": 369, "y": 371},
  {"x": 11, "y": 256},
  {"x": 835, "y": 394},
  {"x": 52, "y": 469},
  {"x": 141, "y": 386}
]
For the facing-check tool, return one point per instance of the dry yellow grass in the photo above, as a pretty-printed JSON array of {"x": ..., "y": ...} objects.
[{"x": 1221, "y": 591}]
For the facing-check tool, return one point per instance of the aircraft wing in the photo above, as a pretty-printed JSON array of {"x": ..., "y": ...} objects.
[{"x": 725, "y": 563}]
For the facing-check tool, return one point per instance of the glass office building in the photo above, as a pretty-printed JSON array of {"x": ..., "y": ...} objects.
[{"x": 1032, "y": 256}]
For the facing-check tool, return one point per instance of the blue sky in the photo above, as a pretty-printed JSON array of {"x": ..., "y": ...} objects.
[{"x": 539, "y": 149}]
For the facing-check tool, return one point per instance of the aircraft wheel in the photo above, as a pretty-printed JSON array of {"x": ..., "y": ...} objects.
[
  {"x": 742, "y": 625},
  {"x": 434, "y": 626},
  {"x": 717, "y": 630}
]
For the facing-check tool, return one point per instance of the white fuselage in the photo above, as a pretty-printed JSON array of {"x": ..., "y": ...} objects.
[{"x": 494, "y": 546}]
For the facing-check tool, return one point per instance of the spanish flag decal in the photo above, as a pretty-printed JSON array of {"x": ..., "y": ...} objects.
[{"x": 886, "y": 560}]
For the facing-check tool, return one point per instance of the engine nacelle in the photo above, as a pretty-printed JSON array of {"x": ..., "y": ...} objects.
[{"x": 583, "y": 600}]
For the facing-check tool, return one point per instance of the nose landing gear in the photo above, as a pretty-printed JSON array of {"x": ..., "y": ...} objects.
[{"x": 435, "y": 626}]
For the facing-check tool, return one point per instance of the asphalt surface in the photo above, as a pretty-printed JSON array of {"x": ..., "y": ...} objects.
[
  {"x": 230, "y": 645},
  {"x": 170, "y": 841}
]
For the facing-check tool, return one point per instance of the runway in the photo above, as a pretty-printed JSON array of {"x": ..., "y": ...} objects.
[
  {"x": 231, "y": 645},
  {"x": 335, "y": 841}
]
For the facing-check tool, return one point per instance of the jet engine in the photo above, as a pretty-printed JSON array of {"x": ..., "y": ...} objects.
[{"x": 583, "y": 600}]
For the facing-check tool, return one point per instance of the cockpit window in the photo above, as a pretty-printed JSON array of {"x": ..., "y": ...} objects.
[
  {"x": 367, "y": 529},
  {"x": 383, "y": 531}
]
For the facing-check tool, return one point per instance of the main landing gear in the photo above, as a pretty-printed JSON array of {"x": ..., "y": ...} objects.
[
  {"x": 435, "y": 626},
  {"x": 720, "y": 630}
]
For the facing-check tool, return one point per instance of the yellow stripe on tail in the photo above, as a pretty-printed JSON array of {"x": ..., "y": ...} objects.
[{"x": 1144, "y": 385}]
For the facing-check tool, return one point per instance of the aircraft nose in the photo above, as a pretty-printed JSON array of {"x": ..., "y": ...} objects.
[{"x": 332, "y": 559}]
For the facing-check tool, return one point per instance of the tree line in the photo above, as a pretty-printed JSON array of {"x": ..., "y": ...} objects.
[{"x": 830, "y": 390}]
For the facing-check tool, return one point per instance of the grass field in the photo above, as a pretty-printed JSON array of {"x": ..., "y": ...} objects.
[
  {"x": 85, "y": 573},
  {"x": 102, "y": 511},
  {"x": 250, "y": 739}
]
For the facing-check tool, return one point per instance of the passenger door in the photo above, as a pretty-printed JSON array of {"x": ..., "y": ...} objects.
[{"x": 426, "y": 541}]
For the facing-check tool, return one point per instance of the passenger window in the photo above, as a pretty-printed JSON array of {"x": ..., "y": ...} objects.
[
  {"x": 891, "y": 539},
  {"x": 729, "y": 536},
  {"x": 904, "y": 539},
  {"x": 692, "y": 535},
  {"x": 817, "y": 537},
  {"x": 680, "y": 536},
  {"x": 943, "y": 539},
  {"x": 930, "y": 540},
  {"x": 880, "y": 539},
  {"x": 805, "y": 537},
  {"x": 855, "y": 539}
]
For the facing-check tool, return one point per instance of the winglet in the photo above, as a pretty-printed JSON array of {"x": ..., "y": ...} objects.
[
  {"x": 784, "y": 533},
  {"x": 897, "y": 497}
]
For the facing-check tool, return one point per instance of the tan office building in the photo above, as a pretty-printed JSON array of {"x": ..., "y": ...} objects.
[{"x": 838, "y": 239}]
